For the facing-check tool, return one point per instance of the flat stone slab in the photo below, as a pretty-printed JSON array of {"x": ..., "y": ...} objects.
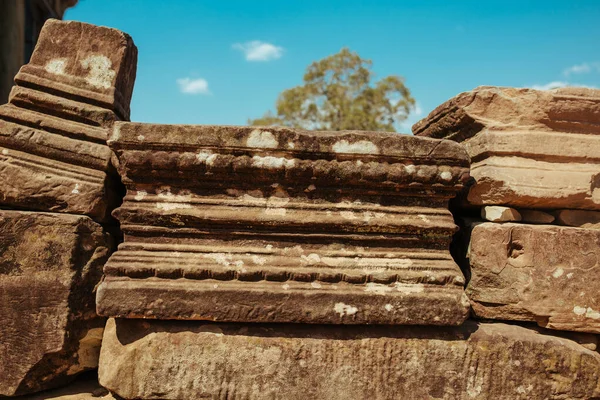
[
  {"x": 280, "y": 225},
  {"x": 542, "y": 273},
  {"x": 529, "y": 148},
  {"x": 53, "y": 153},
  {"x": 192, "y": 360},
  {"x": 49, "y": 266}
]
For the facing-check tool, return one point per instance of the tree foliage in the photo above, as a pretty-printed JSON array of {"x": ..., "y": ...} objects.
[{"x": 338, "y": 94}]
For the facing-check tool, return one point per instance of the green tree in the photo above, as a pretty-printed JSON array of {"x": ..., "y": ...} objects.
[{"x": 338, "y": 94}]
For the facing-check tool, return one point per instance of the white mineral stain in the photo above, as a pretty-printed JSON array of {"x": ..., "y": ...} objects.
[
  {"x": 388, "y": 307},
  {"x": 446, "y": 175},
  {"x": 410, "y": 168},
  {"x": 100, "y": 73},
  {"x": 348, "y": 215},
  {"x": 285, "y": 286},
  {"x": 270, "y": 162},
  {"x": 569, "y": 275},
  {"x": 167, "y": 206},
  {"x": 258, "y": 260},
  {"x": 275, "y": 211},
  {"x": 141, "y": 138},
  {"x": 215, "y": 286},
  {"x": 558, "y": 272},
  {"x": 316, "y": 285},
  {"x": 140, "y": 194},
  {"x": 206, "y": 156},
  {"x": 226, "y": 259},
  {"x": 360, "y": 147},
  {"x": 587, "y": 312},
  {"x": 269, "y": 246},
  {"x": 291, "y": 145},
  {"x": 277, "y": 201},
  {"x": 56, "y": 66},
  {"x": 262, "y": 139},
  {"x": 344, "y": 309},
  {"x": 5, "y": 152},
  {"x": 311, "y": 259},
  {"x": 76, "y": 189},
  {"x": 423, "y": 218},
  {"x": 410, "y": 288},
  {"x": 378, "y": 288}
]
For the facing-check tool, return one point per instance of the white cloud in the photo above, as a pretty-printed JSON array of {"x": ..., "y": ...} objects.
[
  {"x": 584, "y": 68},
  {"x": 256, "y": 50},
  {"x": 193, "y": 86},
  {"x": 559, "y": 84}
]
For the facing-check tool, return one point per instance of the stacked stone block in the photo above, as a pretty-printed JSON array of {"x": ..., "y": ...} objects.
[
  {"x": 57, "y": 187},
  {"x": 536, "y": 169}
]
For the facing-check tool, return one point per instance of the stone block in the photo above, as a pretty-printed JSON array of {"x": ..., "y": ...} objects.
[
  {"x": 536, "y": 217},
  {"x": 53, "y": 131},
  {"x": 579, "y": 218},
  {"x": 500, "y": 214},
  {"x": 49, "y": 266},
  {"x": 280, "y": 225},
  {"x": 529, "y": 148},
  {"x": 542, "y": 273},
  {"x": 193, "y": 360}
]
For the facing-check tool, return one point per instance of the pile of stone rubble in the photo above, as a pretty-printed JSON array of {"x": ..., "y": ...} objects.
[{"x": 273, "y": 263}]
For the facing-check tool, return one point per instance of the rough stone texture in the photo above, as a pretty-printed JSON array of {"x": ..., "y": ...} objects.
[
  {"x": 279, "y": 225},
  {"x": 579, "y": 218},
  {"x": 542, "y": 273},
  {"x": 84, "y": 388},
  {"x": 53, "y": 153},
  {"x": 500, "y": 214},
  {"x": 536, "y": 217},
  {"x": 192, "y": 360},
  {"x": 529, "y": 148},
  {"x": 49, "y": 266}
]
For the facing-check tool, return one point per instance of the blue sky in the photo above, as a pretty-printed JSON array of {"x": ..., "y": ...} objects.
[{"x": 222, "y": 62}]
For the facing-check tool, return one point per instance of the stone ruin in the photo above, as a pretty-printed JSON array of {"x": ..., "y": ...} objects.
[{"x": 273, "y": 263}]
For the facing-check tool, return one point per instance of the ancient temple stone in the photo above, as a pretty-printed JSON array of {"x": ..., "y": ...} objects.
[
  {"x": 53, "y": 153},
  {"x": 542, "y": 273},
  {"x": 280, "y": 225},
  {"x": 579, "y": 218},
  {"x": 500, "y": 214},
  {"x": 49, "y": 266},
  {"x": 529, "y": 148},
  {"x": 193, "y": 360}
]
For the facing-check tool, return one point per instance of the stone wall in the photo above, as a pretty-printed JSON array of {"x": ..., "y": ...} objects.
[{"x": 273, "y": 263}]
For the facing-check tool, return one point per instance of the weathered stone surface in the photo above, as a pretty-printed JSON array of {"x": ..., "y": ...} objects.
[
  {"x": 529, "y": 148},
  {"x": 53, "y": 153},
  {"x": 500, "y": 214},
  {"x": 542, "y": 273},
  {"x": 536, "y": 217},
  {"x": 84, "y": 388},
  {"x": 579, "y": 218},
  {"x": 49, "y": 266},
  {"x": 279, "y": 225},
  {"x": 192, "y": 360}
]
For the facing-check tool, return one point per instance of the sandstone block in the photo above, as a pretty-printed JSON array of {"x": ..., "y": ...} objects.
[
  {"x": 542, "y": 273},
  {"x": 49, "y": 266},
  {"x": 500, "y": 214},
  {"x": 53, "y": 153},
  {"x": 579, "y": 218},
  {"x": 83, "y": 388},
  {"x": 193, "y": 360},
  {"x": 279, "y": 225},
  {"x": 529, "y": 148},
  {"x": 536, "y": 217}
]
